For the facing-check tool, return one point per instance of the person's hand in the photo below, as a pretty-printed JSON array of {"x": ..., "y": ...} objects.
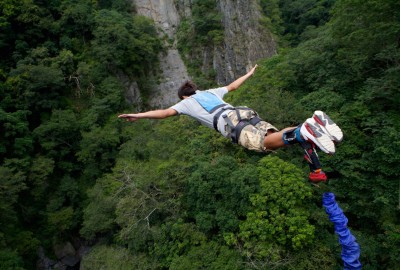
[
  {"x": 238, "y": 82},
  {"x": 251, "y": 72},
  {"x": 129, "y": 117}
]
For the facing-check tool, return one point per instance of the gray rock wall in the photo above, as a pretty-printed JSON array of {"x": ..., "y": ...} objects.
[
  {"x": 172, "y": 69},
  {"x": 245, "y": 42}
]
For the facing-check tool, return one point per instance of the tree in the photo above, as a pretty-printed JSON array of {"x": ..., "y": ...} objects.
[
  {"x": 125, "y": 43},
  {"x": 209, "y": 255},
  {"x": 16, "y": 140},
  {"x": 298, "y": 17},
  {"x": 217, "y": 194},
  {"x": 278, "y": 221},
  {"x": 99, "y": 214},
  {"x": 37, "y": 83},
  {"x": 111, "y": 257},
  {"x": 77, "y": 21}
]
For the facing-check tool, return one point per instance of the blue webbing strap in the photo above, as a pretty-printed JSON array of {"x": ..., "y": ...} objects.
[{"x": 350, "y": 248}]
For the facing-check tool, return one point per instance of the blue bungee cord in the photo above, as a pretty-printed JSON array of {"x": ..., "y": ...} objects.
[{"x": 350, "y": 248}]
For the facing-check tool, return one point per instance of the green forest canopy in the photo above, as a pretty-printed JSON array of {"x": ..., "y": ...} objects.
[{"x": 70, "y": 169}]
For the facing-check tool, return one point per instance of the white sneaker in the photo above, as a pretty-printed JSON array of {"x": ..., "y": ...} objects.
[
  {"x": 312, "y": 131},
  {"x": 329, "y": 126}
]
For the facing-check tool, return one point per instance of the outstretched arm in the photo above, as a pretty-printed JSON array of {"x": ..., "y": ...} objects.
[
  {"x": 157, "y": 114},
  {"x": 235, "y": 85}
]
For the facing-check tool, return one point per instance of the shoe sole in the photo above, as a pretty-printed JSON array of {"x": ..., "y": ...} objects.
[
  {"x": 330, "y": 127},
  {"x": 313, "y": 131}
]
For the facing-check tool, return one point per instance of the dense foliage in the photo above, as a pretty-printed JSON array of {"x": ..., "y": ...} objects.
[
  {"x": 172, "y": 194},
  {"x": 59, "y": 93}
]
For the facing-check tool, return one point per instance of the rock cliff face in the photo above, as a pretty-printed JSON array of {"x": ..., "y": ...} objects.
[
  {"x": 172, "y": 69},
  {"x": 245, "y": 42}
]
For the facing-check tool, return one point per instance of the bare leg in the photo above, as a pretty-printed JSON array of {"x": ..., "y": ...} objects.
[{"x": 273, "y": 139}]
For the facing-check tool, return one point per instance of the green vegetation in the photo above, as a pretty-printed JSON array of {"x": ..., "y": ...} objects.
[
  {"x": 59, "y": 94},
  {"x": 172, "y": 194}
]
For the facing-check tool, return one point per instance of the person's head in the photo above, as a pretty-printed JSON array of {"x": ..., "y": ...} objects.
[{"x": 187, "y": 89}]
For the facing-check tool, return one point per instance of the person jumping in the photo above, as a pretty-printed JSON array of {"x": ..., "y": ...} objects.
[{"x": 244, "y": 126}]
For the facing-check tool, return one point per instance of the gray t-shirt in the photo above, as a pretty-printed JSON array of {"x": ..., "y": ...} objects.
[{"x": 197, "y": 105}]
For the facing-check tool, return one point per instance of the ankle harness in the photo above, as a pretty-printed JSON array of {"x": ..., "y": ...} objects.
[{"x": 292, "y": 136}]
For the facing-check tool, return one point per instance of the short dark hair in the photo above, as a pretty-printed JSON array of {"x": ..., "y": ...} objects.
[{"x": 188, "y": 88}]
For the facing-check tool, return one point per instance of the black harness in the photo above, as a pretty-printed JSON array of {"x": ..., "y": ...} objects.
[{"x": 235, "y": 129}]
